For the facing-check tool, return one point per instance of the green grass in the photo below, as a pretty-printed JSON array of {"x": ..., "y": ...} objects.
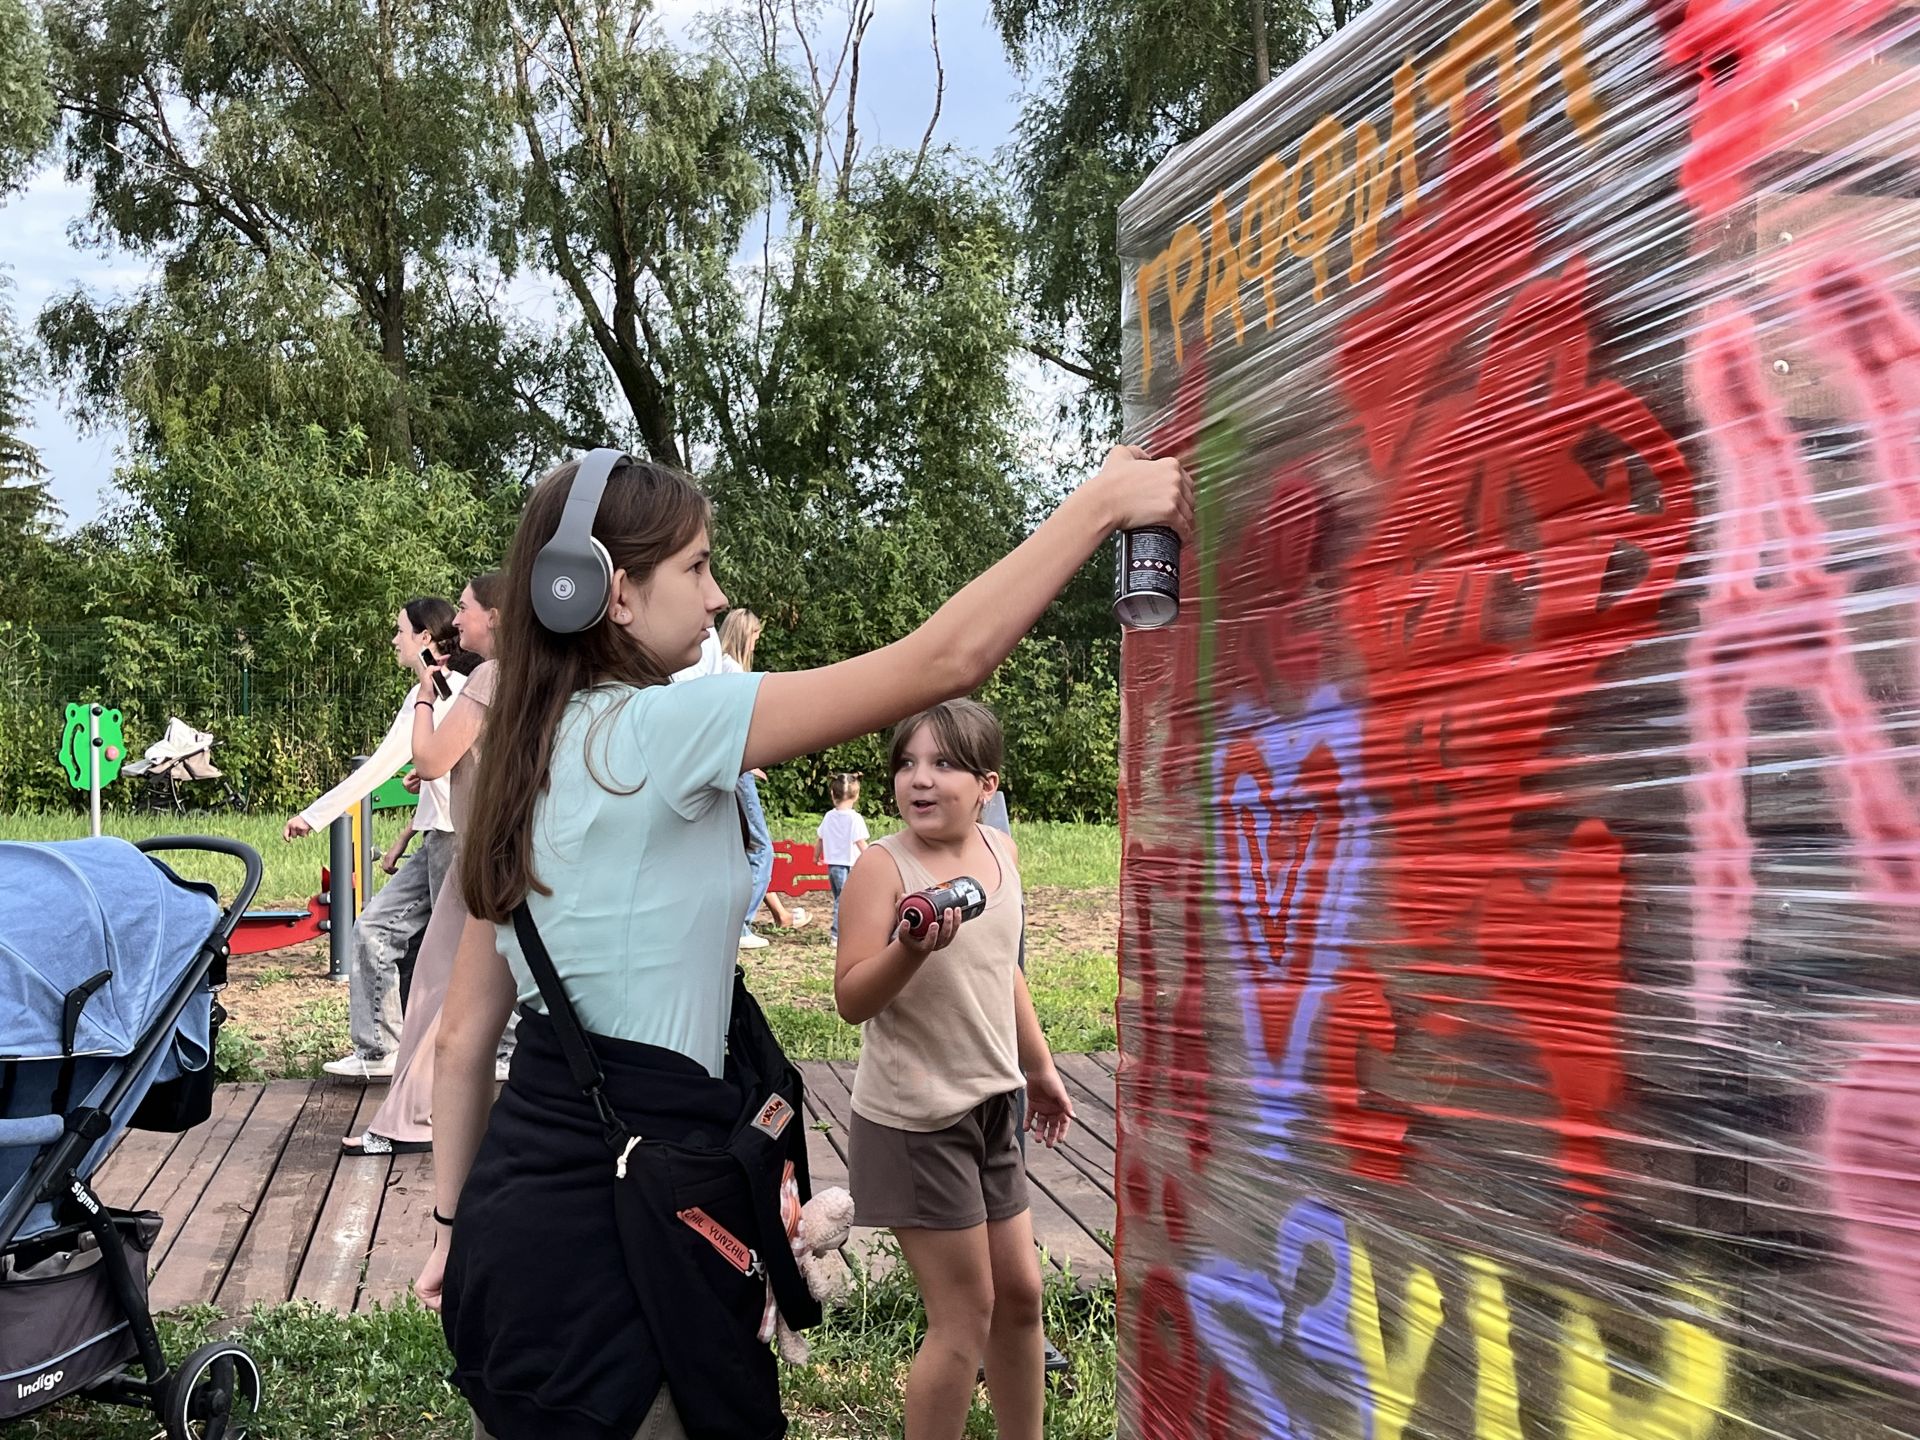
[
  {"x": 1067, "y": 856},
  {"x": 1073, "y": 995},
  {"x": 292, "y": 869},
  {"x": 1052, "y": 853},
  {"x": 1073, "y": 987},
  {"x": 379, "y": 1376}
]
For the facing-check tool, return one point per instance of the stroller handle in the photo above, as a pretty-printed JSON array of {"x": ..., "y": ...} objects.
[{"x": 217, "y": 845}]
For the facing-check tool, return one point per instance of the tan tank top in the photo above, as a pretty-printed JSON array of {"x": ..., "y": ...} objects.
[{"x": 948, "y": 1040}]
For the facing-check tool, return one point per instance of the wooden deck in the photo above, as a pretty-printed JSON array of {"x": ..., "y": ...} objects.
[{"x": 261, "y": 1206}]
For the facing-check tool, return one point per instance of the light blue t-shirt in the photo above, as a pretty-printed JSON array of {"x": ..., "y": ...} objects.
[{"x": 638, "y": 838}]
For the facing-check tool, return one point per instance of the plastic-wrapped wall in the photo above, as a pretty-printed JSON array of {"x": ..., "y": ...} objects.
[{"x": 1521, "y": 933}]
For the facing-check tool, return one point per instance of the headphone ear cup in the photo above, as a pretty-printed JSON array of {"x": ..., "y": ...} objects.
[
  {"x": 605, "y": 576},
  {"x": 572, "y": 587},
  {"x": 573, "y": 574}
]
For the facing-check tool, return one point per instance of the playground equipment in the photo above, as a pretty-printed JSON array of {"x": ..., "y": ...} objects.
[
  {"x": 91, "y": 751},
  {"x": 797, "y": 870},
  {"x": 330, "y": 913}
]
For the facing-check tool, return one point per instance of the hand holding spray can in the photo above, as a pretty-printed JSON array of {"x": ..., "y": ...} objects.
[{"x": 921, "y": 911}]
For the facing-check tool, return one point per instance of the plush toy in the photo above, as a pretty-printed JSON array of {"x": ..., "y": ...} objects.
[{"x": 825, "y": 1222}]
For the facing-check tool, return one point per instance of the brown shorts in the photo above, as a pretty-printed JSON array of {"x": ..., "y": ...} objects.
[{"x": 951, "y": 1179}]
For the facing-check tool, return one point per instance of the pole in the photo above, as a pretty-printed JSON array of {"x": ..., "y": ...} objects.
[
  {"x": 340, "y": 907},
  {"x": 93, "y": 763},
  {"x": 363, "y": 830}
]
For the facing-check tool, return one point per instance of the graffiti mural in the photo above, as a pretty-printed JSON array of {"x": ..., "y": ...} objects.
[{"x": 1520, "y": 943}]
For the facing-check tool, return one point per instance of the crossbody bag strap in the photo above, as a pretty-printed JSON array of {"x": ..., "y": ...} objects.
[{"x": 581, "y": 1061}]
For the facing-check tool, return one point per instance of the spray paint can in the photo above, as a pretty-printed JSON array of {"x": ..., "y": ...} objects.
[
  {"x": 923, "y": 909},
  {"x": 1146, "y": 578}
]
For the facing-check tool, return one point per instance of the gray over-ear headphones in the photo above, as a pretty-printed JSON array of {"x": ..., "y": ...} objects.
[{"x": 573, "y": 574}]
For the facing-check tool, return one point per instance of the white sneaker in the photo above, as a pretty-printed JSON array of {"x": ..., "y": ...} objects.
[
  {"x": 356, "y": 1067},
  {"x": 750, "y": 941},
  {"x": 797, "y": 915}
]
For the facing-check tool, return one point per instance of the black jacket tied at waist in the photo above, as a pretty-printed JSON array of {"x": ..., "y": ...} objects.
[{"x": 571, "y": 1296}]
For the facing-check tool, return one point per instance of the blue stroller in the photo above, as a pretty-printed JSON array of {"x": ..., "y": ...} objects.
[{"x": 109, "y": 963}]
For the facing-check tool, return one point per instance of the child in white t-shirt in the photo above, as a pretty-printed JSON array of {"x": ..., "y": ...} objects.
[{"x": 843, "y": 835}]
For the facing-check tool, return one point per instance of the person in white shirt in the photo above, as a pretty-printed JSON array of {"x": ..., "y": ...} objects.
[
  {"x": 843, "y": 835},
  {"x": 401, "y": 908},
  {"x": 728, "y": 650}
]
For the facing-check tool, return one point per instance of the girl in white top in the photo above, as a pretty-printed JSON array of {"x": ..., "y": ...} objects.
[
  {"x": 604, "y": 804},
  {"x": 399, "y": 911},
  {"x": 445, "y": 749}
]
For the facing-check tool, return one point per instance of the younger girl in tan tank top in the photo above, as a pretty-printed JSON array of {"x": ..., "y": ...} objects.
[{"x": 948, "y": 1040}]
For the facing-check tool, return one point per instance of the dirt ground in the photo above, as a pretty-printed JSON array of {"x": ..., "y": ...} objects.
[{"x": 287, "y": 1017}]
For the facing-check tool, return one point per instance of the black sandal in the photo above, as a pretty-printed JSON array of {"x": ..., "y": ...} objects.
[{"x": 372, "y": 1144}]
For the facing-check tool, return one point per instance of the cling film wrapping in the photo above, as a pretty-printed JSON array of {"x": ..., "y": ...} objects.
[{"x": 1520, "y": 1003}]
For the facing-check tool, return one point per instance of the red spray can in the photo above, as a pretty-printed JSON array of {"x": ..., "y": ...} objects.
[{"x": 923, "y": 909}]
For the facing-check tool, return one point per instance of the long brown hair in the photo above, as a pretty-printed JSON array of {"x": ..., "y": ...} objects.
[{"x": 647, "y": 514}]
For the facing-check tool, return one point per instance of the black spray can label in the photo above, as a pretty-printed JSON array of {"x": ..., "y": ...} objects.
[{"x": 1146, "y": 578}]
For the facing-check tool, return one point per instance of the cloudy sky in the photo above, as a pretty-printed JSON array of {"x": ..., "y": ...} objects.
[{"x": 37, "y": 242}]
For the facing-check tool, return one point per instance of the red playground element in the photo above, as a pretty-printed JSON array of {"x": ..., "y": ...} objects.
[
  {"x": 797, "y": 869},
  {"x": 263, "y": 930}
]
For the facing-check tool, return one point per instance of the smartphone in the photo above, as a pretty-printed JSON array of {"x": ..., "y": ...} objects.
[{"x": 440, "y": 686}]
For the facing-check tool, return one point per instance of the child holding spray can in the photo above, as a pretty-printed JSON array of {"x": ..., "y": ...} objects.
[{"x": 928, "y": 964}]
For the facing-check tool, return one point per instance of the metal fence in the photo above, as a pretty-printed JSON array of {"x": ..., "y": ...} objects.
[{"x": 280, "y": 735}]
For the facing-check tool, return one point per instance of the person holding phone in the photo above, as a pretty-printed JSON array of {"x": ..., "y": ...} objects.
[{"x": 399, "y": 910}]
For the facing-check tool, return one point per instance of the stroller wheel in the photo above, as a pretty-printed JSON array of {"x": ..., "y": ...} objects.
[{"x": 211, "y": 1395}]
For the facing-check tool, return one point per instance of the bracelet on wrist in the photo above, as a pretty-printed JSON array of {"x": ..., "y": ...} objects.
[{"x": 440, "y": 1219}]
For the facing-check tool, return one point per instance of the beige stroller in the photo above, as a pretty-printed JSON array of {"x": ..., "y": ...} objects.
[{"x": 176, "y": 763}]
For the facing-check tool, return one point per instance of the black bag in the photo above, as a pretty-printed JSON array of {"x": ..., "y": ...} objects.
[
  {"x": 175, "y": 1106},
  {"x": 710, "y": 1216}
]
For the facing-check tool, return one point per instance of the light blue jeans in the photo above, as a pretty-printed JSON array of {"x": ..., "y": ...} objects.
[
  {"x": 837, "y": 877},
  {"x": 759, "y": 848}
]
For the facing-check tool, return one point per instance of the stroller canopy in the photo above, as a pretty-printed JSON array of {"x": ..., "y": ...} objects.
[{"x": 69, "y": 912}]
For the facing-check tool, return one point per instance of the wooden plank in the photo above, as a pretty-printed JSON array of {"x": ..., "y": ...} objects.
[
  {"x": 177, "y": 1185},
  {"x": 825, "y": 1162},
  {"x": 1107, "y": 1060},
  {"x": 268, "y": 1261},
  {"x": 337, "y": 1254},
  {"x": 1058, "y": 1232},
  {"x": 834, "y": 1093},
  {"x": 1089, "y": 1145},
  {"x": 1089, "y": 1208},
  {"x": 195, "y": 1266},
  {"x": 403, "y": 1234},
  {"x": 1089, "y": 1080},
  {"x": 1090, "y": 1158},
  {"x": 131, "y": 1165}
]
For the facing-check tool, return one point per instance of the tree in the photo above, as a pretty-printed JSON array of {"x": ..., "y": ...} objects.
[
  {"x": 26, "y": 120},
  {"x": 353, "y": 140},
  {"x": 26, "y": 101},
  {"x": 1114, "y": 88},
  {"x": 249, "y": 581},
  {"x": 27, "y": 511},
  {"x": 229, "y": 340}
]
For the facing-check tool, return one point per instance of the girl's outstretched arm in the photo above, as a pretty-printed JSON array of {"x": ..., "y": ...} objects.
[{"x": 799, "y": 712}]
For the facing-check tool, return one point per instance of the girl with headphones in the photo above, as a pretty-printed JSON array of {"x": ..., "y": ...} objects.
[{"x": 610, "y": 1230}]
